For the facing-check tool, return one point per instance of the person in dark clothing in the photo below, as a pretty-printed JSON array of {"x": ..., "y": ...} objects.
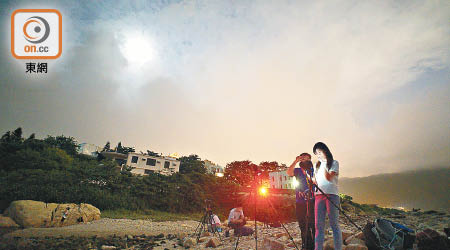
[{"x": 304, "y": 198}]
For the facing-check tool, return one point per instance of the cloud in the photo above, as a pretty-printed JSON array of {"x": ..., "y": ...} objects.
[{"x": 254, "y": 80}]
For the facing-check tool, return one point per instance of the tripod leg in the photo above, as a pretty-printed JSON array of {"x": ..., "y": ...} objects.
[
  {"x": 237, "y": 242},
  {"x": 198, "y": 227},
  {"x": 203, "y": 222},
  {"x": 287, "y": 231}
]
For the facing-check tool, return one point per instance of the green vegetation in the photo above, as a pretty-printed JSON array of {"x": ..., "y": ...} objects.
[{"x": 51, "y": 170}]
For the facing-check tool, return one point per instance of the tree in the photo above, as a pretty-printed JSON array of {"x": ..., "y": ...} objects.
[
  {"x": 192, "y": 164},
  {"x": 68, "y": 144},
  {"x": 266, "y": 167},
  {"x": 17, "y": 134},
  {"x": 241, "y": 172},
  {"x": 32, "y": 137},
  {"x": 245, "y": 172},
  {"x": 119, "y": 148},
  {"x": 107, "y": 147},
  {"x": 123, "y": 150}
]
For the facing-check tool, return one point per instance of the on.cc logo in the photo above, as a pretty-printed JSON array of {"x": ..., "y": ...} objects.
[
  {"x": 37, "y": 24},
  {"x": 36, "y": 34}
]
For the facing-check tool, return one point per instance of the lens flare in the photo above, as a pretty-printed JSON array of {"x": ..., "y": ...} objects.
[{"x": 262, "y": 191}]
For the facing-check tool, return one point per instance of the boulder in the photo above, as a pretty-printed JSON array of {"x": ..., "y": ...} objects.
[
  {"x": 213, "y": 242},
  {"x": 355, "y": 247},
  {"x": 270, "y": 244},
  {"x": 28, "y": 213},
  {"x": 7, "y": 222}
]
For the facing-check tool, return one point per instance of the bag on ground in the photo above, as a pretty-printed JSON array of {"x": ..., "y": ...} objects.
[{"x": 384, "y": 234}]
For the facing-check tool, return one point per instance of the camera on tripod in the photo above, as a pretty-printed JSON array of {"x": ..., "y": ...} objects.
[{"x": 208, "y": 207}]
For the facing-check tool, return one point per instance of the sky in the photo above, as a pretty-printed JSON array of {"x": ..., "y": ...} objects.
[{"x": 243, "y": 80}]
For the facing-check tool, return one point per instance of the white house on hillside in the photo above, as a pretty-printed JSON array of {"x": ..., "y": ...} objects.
[
  {"x": 143, "y": 164},
  {"x": 280, "y": 180}
]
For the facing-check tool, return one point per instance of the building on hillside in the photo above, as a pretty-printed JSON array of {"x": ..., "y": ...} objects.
[
  {"x": 144, "y": 164},
  {"x": 213, "y": 168},
  {"x": 88, "y": 149},
  {"x": 281, "y": 180}
]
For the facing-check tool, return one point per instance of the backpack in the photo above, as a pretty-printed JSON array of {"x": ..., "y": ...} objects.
[{"x": 384, "y": 234}]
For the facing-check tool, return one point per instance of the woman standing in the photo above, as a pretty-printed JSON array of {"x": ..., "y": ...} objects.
[{"x": 327, "y": 171}]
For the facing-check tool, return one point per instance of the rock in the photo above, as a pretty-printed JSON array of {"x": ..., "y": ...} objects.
[
  {"x": 105, "y": 247},
  {"x": 181, "y": 235},
  {"x": 213, "y": 242},
  {"x": 297, "y": 242},
  {"x": 279, "y": 235},
  {"x": 202, "y": 239},
  {"x": 206, "y": 234},
  {"x": 188, "y": 242},
  {"x": 360, "y": 235},
  {"x": 284, "y": 238},
  {"x": 328, "y": 244},
  {"x": 346, "y": 234},
  {"x": 7, "y": 222},
  {"x": 355, "y": 247},
  {"x": 353, "y": 240},
  {"x": 270, "y": 244},
  {"x": 28, "y": 213}
]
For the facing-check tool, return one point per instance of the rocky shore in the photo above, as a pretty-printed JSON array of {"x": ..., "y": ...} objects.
[{"x": 145, "y": 234}]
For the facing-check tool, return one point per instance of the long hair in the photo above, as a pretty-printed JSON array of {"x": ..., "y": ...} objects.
[{"x": 326, "y": 151}]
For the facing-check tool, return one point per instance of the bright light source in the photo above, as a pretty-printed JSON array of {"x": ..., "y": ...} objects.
[
  {"x": 219, "y": 174},
  {"x": 263, "y": 191},
  {"x": 137, "y": 49},
  {"x": 295, "y": 183}
]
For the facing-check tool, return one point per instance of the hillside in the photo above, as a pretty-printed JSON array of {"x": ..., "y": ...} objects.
[{"x": 427, "y": 189}]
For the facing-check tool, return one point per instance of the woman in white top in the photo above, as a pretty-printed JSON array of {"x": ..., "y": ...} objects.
[{"x": 326, "y": 173}]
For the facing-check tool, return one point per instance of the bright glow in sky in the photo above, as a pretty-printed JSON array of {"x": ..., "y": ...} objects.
[{"x": 137, "y": 49}]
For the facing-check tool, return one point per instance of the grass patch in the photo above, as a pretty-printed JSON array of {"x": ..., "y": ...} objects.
[{"x": 148, "y": 214}]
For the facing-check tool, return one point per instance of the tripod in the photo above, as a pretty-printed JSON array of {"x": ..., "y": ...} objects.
[
  {"x": 328, "y": 198},
  {"x": 308, "y": 196},
  {"x": 206, "y": 221}
]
